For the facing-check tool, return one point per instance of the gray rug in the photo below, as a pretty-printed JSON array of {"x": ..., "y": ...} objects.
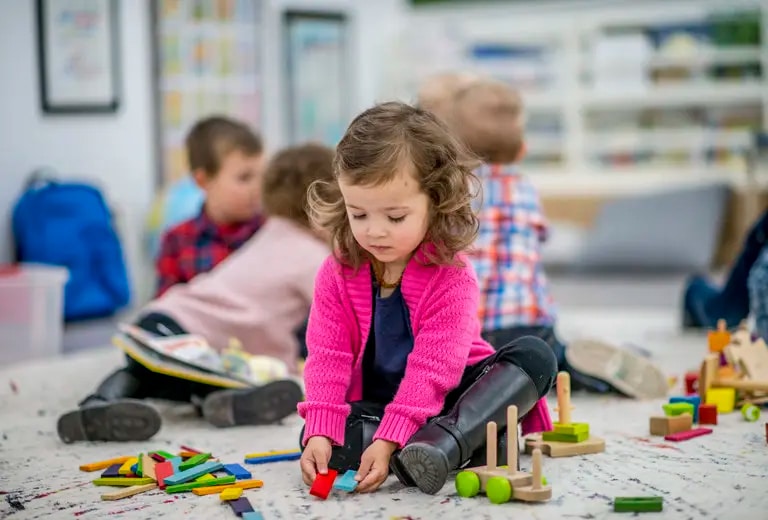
[{"x": 722, "y": 475}]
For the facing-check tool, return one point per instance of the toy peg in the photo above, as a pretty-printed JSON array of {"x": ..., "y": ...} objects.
[
  {"x": 536, "y": 469},
  {"x": 512, "y": 447},
  {"x": 564, "y": 398},
  {"x": 490, "y": 446}
]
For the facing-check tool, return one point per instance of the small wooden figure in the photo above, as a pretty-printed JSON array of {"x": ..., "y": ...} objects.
[
  {"x": 322, "y": 485},
  {"x": 707, "y": 414},
  {"x": 719, "y": 338},
  {"x": 568, "y": 438}
]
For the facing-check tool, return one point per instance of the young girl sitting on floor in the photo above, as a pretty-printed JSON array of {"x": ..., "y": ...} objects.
[
  {"x": 260, "y": 294},
  {"x": 397, "y": 368}
]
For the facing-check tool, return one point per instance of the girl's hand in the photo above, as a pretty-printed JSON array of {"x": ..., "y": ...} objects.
[
  {"x": 374, "y": 465},
  {"x": 314, "y": 458}
]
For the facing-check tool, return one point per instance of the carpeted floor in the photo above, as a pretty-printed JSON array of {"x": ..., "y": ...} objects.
[{"x": 722, "y": 475}]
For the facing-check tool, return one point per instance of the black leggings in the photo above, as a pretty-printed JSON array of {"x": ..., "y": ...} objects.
[{"x": 526, "y": 352}]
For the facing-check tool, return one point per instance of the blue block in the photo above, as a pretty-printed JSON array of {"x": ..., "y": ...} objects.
[
  {"x": 274, "y": 458},
  {"x": 175, "y": 461},
  {"x": 347, "y": 481},
  {"x": 695, "y": 400},
  {"x": 252, "y": 515},
  {"x": 135, "y": 469},
  {"x": 239, "y": 472},
  {"x": 193, "y": 473}
]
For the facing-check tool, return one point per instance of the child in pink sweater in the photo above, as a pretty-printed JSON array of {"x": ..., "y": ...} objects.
[
  {"x": 259, "y": 295},
  {"x": 398, "y": 375}
]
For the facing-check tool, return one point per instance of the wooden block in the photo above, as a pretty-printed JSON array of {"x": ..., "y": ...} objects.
[
  {"x": 238, "y": 471},
  {"x": 346, "y": 482},
  {"x": 126, "y": 467},
  {"x": 565, "y": 437},
  {"x": 667, "y": 425},
  {"x": 724, "y": 398},
  {"x": 193, "y": 473},
  {"x": 690, "y": 434},
  {"x": 205, "y": 478},
  {"x": 164, "y": 454},
  {"x": 148, "y": 467},
  {"x": 272, "y": 453},
  {"x": 240, "y": 506},
  {"x": 231, "y": 493},
  {"x": 720, "y": 338},
  {"x": 672, "y": 409},
  {"x": 252, "y": 515},
  {"x": 243, "y": 484},
  {"x": 556, "y": 449},
  {"x": 189, "y": 486},
  {"x": 322, "y": 485},
  {"x": 571, "y": 429},
  {"x": 112, "y": 472},
  {"x": 122, "y": 481},
  {"x": 274, "y": 458},
  {"x": 191, "y": 450},
  {"x": 163, "y": 470},
  {"x": 691, "y": 382},
  {"x": 194, "y": 461},
  {"x": 707, "y": 414},
  {"x": 516, "y": 478},
  {"x": 638, "y": 504},
  {"x": 128, "y": 492},
  {"x": 694, "y": 400},
  {"x": 537, "y": 491},
  {"x": 103, "y": 464},
  {"x": 175, "y": 462}
]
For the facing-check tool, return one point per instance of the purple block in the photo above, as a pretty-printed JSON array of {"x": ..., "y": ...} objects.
[
  {"x": 240, "y": 506},
  {"x": 112, "y": 471}
]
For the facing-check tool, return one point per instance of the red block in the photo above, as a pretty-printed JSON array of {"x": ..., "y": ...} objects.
[
  {"x": 162, "y": 470},
  {"x": 690, "y": 434},
  {"x": 322, "y": 485},
  {"x": 707, "y": 414},
  {"x": 691, "y": 382}
]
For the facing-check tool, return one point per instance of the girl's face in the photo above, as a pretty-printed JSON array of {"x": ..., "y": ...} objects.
[{"x": 389, "y": 220}]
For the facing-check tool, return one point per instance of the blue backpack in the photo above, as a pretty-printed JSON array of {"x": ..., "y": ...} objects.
[{"x": 69, "y": 224}]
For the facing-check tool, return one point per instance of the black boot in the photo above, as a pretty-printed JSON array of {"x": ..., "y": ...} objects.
[
  {"x": 266, "y": 404},
  {"x": 448, "y": 441},
  {"x": 109, "y": 416}
]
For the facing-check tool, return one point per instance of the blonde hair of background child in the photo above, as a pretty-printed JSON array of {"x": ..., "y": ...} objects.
[
  {"x": 438, "y": 92},
  {"x": 211, "y": 139},
  {"x": 488, "y": 117},
  {"x": 288, "y": 178},
  {"x": 380, "y": 143}
]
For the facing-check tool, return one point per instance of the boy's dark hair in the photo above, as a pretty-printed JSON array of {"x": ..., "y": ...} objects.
[
  {"x": 488, "y": 118},
  {"x": 381, "y": 142},
  {"x": 288, "y": 177},
  {"x": 211, "y": 139}
]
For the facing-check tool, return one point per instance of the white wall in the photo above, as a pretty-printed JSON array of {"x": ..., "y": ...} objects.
[{"x": 116, "y": 150}]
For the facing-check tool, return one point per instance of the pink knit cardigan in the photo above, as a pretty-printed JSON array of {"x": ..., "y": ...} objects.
[{"x": 443, "y": 303}]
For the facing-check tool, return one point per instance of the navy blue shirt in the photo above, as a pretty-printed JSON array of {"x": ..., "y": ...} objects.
[{"x": 390, "y": 341}]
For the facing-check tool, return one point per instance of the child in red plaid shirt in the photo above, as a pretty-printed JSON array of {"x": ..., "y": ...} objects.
[
  {"x": 515, "y": 297},
  {"x": 226, "y": 160}
]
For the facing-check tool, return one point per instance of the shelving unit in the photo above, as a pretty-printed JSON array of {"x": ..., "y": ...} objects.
[{"x": 620, "y": 97}]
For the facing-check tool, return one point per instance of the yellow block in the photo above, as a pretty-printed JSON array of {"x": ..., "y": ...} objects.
[
  {"x": 126, "y": 467},
  {"x": 205, "y": 478},
  {"x": 102, "y": 464},
  {"x": 723, "y": 398},
  {"x": 231, "y": 493}
]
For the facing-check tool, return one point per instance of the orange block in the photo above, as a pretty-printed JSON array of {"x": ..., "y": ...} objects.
[{"x": 720, "y": 338}]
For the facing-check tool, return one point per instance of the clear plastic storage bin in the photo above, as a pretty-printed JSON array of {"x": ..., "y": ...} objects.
[{"x": 31, "y": 311}]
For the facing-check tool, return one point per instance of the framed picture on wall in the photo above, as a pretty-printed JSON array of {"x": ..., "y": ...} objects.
[
  {"x": 78, "y": 56},
  {"x": 317, "y": 76}
]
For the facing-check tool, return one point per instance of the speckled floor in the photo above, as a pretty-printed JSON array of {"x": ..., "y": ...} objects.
[{"x": 722, "y": 475}]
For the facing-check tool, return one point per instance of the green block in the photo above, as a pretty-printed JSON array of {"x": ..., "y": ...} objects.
[
  {"x": 117, "y": 481},
  {"x": 189, "y": 486},
  {"x": 194, "y": 461},
  {"x": 164, "y": 454},
  {"x": 140, "y": 465},
  {"x": 673, "y": 409},
  {"x": 565, "y": 437},
  {"x": 571, "y": 429},
  {"x": 638, "y": 504}
]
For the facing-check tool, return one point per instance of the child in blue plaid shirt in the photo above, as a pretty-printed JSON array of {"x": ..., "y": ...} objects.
[{"x": 515, "y": 296}]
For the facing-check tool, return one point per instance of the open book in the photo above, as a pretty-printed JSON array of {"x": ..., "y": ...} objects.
[{"x": 190, "y": 357}]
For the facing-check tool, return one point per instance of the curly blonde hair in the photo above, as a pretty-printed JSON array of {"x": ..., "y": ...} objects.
[{"x": 390, "y": 138}]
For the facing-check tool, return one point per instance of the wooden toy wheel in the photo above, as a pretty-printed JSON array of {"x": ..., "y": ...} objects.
[
  {"x": 499, "y": 490},
  {"x": 467, "y": 484}
]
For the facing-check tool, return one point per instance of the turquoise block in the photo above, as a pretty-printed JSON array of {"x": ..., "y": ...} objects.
[{"x": 193, "y": 473}]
